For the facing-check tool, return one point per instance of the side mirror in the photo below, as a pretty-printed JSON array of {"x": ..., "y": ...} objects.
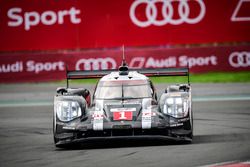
[
  {"x": 61, "y": 90},
  {"x": 166, "y": 90},
  {"x": 87, "y": 96}
]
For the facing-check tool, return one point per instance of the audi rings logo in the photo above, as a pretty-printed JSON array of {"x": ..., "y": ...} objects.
[
  {"x": 96, "y": 64},
  {"x": 239, "y": 59},
  {"x": 167, "y": 12}
]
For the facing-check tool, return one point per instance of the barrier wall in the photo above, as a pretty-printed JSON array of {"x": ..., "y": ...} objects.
[
  {"x": 39, "y": 38},
  {"x": 35, "y": 67},
  {"x": 73, "y": 24}
]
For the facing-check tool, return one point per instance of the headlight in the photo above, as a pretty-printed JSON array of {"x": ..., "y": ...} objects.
[
  {"x": 176, "y": 107},
  {"x": 67, "y": 110}
]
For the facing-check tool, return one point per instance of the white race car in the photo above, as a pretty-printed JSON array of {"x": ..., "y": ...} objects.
[{"x": 124, "y": 105}]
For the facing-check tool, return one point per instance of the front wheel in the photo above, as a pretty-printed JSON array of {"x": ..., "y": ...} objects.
[{"x": 54, "y": 131}]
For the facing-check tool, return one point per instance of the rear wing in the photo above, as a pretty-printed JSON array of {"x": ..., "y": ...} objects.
[
  {"x": 165, "y": 72},
  {"x": 80, "y": 74},
  {"x": 86, "y": 74}
]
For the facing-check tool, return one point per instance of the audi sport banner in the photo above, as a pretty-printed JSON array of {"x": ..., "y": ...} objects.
[
  {"x": 35, "y": 67},
  {"x": 74, "y": 24}
]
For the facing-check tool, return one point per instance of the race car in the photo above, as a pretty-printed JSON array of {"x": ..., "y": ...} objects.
[{"x": 124, "y": 105}]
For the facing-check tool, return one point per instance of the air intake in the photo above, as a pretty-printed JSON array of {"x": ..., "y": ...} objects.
[{"x": 123, "y": 70}]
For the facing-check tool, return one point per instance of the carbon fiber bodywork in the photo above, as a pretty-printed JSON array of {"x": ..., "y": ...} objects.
[{"x": 125, "y": 115}]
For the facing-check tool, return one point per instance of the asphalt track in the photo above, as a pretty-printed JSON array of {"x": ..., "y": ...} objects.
[{"x": 221, "y": 132}]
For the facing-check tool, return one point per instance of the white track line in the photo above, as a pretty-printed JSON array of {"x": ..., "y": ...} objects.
[{"x": 227, "y": 163}]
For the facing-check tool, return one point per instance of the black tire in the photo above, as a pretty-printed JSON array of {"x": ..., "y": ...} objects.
[{"x": 54, "y": 130}]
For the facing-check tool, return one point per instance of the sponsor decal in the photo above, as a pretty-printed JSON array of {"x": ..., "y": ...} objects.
[
  {"x": 98, "y": 116},
  {"x": 146, "y": 118},
  {"x": 167, "y": 12},
  {"x": 123, "y": 109},
  {"x": 240, "y": 9},
  {"x": 173, "y": 61},
  {"x": 190, "y": 61},
  {"x": 183, "y": 119},
  {"x": 37, "y": 67},
  {"x": 160, "y": 63},
  {"x": 96, "y": 64},
  {"x": 175, "y": 125},
  {"x": 71, "y": 25},
  {"x": 122, "y": 113},
  {"x": 11, "y": 67},
  {"x": 98, "y": 120},
  {"x": 47, "y": 67},
  {"x": 239, "y": 59},
  {"x": 32, "y": 67},
  {"x": 18, "y": 17},
  {"x": 149, "y": 114},
  {"x": 69, "y": 127}
]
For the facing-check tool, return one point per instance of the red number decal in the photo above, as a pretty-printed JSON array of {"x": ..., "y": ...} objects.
[{"x": 122, "y": 115}]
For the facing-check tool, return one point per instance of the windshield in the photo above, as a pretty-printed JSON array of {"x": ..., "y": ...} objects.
[{"x": 122, "y": 90}]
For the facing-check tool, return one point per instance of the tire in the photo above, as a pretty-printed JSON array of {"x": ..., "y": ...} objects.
[{"x": 54, "y": 130}]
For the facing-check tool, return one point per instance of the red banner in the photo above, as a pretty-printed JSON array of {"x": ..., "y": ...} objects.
[
  {"x": 74, "y": 24},
  {"x": 35, "y": 67}
]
